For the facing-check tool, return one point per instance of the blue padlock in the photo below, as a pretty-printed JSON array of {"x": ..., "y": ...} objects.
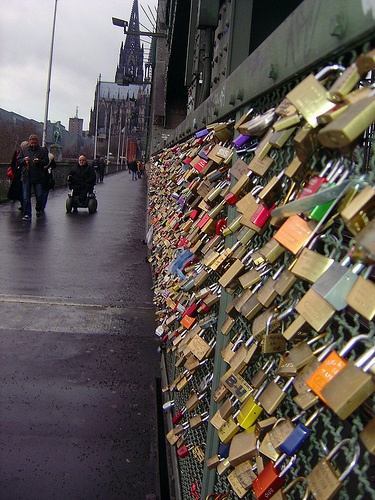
[
  {"x": 223, "y": 450},
  {"x": 299, "y": 435}
]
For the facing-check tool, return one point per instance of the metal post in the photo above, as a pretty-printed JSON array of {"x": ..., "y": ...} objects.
[
  {"x": 44, "y": 138},
  {"x": 109, "y": 136},
  {"x": 97, "y": 115}
]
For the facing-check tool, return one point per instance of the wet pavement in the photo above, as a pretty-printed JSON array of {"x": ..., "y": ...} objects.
[{"x": 79, "y": 366}]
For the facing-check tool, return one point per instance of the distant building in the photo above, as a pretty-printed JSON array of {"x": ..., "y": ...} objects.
[
  {"x": 76, "y": 125},
  {"x": 119, "y": 119}
]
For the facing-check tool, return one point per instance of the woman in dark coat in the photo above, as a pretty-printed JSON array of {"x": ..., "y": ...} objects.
[{"x": 15, "y": 188}]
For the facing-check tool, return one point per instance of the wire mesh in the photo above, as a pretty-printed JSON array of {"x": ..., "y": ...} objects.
[{"x": 328, "y": 429}]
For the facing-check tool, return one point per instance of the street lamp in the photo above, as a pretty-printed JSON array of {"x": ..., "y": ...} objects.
[
  {"x": 44, "y": 138},
  {"x": 124, "y": 24}
]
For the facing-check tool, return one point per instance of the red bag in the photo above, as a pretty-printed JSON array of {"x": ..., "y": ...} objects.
[{"x": 10, "y": 173}]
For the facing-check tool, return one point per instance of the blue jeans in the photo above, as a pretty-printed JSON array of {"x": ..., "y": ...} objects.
[
  {"x": 134, "y": 175},
  {"x": 26, "y": 192}
]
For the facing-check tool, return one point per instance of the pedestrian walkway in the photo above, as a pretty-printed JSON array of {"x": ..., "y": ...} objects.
[{"x": 79, "y": 371}]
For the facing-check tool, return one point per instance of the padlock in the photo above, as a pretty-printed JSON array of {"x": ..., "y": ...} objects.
[
  {"x": 294, "y": 234},
  {"x": 261, "y": 375},
  {"x": 355, "y": 384},
  {"x": 310, "y": 264},
  {"x": 194, "y": 400},
  {"x": 263, "y": 426},
  {"x": 237, "y": 385},
  {"x": 267, "y": 294},
  {"x": 272, "y": 478},
  {"x": 332, "y": 364},
  {"x": 184, "y": 450},
  {"x": 273, "y": 395},
  {"x": 229, "y": 349},
  {"x": 217, "y": 420},
  {"x": 242, "y": 447},
  {"x": 361, "y": 297},
  {"x": 172, "y": 437},
  {"x": 315, "y": 310},
  {"x": 306, "y": 398},
  {"x": 271, "y": 193},
  {"x": 274, "y": 341},
  {"x": 367, "y": 436},
  {"x": 241, "y": 478},
  {"x": 323, "y": 481},
  {"x": 311, "y": 86},
  {"x": 223, "y": 450},
  {"x": 251, "y": 307},
  {"x": 299, "y": 435},
  {"x": 228, "y": 430},
  {"x": 271, "y": 251},
  {"x": 364, "y": 244},
  {"x": 250, "y": 411},
  {"x": 344, "y": 83},
  {"x": 358, "y": 213},
  {"x": 253, "y": 276},
  {"x": 336, "y": 282},
  {"x": 235, "y": 269},
  {"x": 228, "y": 407},
  {"x": 266, "y": 448},
  {"x": 299, "y": 356},
  {"x": 316, "y": 181},
  {"x": 247, "y": 351},
  {"x": 258, "y": 124},
  {"x": 282, "y": 494},
  {"x": 177, "y": 417},
  {"x": 284, "y": 282},
  {"x": 280, "y": 432},
  {"x": 320, "y": 211},
  {"x": 213, "y": 462},
  {"x": 352, "y": 122}
]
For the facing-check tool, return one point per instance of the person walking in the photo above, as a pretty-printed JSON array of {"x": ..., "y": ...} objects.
[
  {"x": 141, "y": 169},
  {"x": 15, "y": 188},
  {"x": 96, "y": 164},
  {"x": 32, "y": 159},
  {"x": 133, "y": 167},
  {"x": 49, "y": 181},
  {"x": 101, "y": 169}
]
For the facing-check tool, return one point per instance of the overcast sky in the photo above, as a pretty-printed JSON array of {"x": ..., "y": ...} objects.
[{"x": 86, "y": 44}]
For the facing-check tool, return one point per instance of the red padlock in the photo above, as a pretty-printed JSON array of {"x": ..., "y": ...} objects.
[
  {"x": 262, "y": 215},
  {"x": 220, "y": 225},
  {"x": 231, "y": 198},
  {"x": 194, "y": 214},
  {"x": 271, "y": 479},
  {"x": 176, "y": 419},
  {"x": 183, "y": 451}
]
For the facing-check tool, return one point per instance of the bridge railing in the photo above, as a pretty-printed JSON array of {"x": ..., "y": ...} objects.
[{"x": 59, "y": 175}]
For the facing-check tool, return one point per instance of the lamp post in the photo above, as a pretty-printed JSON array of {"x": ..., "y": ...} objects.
[
  {"x": 44, "y": 138},
  {"x": 122, "y": 147},
  {"x": 109, "y": 136},
  {"x": 97, "y": 115}
]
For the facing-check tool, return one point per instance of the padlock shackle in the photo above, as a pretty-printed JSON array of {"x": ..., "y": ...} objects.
[
  {"x": 365, "y": 357},
  {"x": 314, "y": 416},
  {"x": 354, "y": 461},
  {"x": 351, "y": 343},
  {"x": 369, "y": 365},
  {"x": 329, "y": 69},
  {"x": 296, "y": 480},
  {"x": 284, "y": 314}
]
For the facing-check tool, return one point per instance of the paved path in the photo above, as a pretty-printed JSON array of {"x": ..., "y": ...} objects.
[{"x": 79, "y": 363}]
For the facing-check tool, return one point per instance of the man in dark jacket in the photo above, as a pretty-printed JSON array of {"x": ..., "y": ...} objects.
[
  {"x": 81, "y": 179},
  {"x": 32, "y": 159}
]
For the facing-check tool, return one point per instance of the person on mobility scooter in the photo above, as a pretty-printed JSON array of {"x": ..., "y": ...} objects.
[{"x": 81, "y": 181}]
